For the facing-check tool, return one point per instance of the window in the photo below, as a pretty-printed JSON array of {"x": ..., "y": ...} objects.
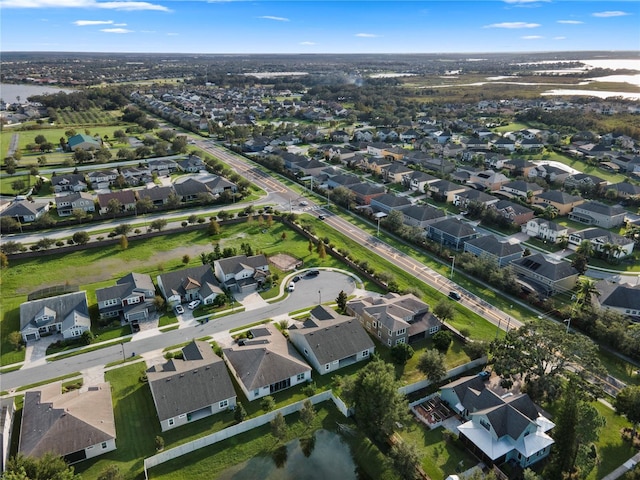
[
  {"x": 365, "y": 353},
  {"x": 400, "y": 340},
  {"x": 184, "y": 415},
  {"x": 375, "y": 324},
  {"x": 300, "y": 377},
  {"x": 171, "y": 422},
  {"x": 485, "y": 424},
  {"x": 379, "y": 334},
  {"x": 104, "y": 444},
  {"x": 223, "y": 404},
  {"x": 327, "y": 366},
  {"x": 256, "y": 392},
  {"x": 389, "y": 341},
  {"x": 402, "y": 331}
]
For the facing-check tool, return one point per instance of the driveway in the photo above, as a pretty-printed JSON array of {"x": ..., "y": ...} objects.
[
  {"x": 36, "y": 351},
  {"x": 250, "y": 300}
]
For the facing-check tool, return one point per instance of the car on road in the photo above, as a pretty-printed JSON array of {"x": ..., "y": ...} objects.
[
  {"x": 292, "y": 286},
  {"x": 455, "y": 295},
  {"x": 312, "y": 273},
  {"x": 193, "y": 305},
  {"x": 322, "y": 217},
  {"x": 179, "y": 310},
  {"x": 304, "y": 203},
  {"x": 296, "y": 278}
]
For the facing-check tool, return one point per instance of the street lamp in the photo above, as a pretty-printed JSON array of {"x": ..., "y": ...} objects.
[
  {"x": 319, "y": 297},
  {"x": 378, "y": 234},
  {"x": 124, "y": 358},
  {"x": 453, "y": 264},
  {"x": 568, "y": 322}
]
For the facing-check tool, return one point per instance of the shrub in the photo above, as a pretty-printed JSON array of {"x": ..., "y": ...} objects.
[
  {"x": 442, "y": 340},
  {"x": 267, "y": 403},
  {"x": 309, "y": 389}
]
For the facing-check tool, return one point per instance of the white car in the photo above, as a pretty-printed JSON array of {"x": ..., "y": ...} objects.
[
  {"x": 179, "y": 309},
  {"x": 292, "y": 286},
  {"x": 304, "y": 203},
  {"x": 194, "y": 304}
]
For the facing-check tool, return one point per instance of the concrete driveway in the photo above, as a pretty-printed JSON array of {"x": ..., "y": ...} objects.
[{"x": 36, "y": 351}]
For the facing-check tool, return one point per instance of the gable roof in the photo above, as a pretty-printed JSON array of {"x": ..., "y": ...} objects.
[
  {"x": 602, "y": 209},
  {"x": 240, "y": 262},
  {"x": 174, "y": 283},
  {"x": 423, "y": 212},
  {"x": 189, "y": 384},
  {"x": 125, "y": 197},
  {"x": 558, "y": 196},
  {"x": 23, "y": 208},
  {"x": 392, "y": 201},
  {"x": 65, "y": 423},
  {"x": 64, "y": 307},
  {"x": 82, "y": 138},
  {"x": 156, "y": 193}
]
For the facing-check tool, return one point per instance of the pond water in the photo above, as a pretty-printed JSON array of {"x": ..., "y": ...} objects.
[{"x": 318, "y": 457}]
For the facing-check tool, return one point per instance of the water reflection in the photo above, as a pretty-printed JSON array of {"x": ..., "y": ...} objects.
[{"x": 318, "y": 457}]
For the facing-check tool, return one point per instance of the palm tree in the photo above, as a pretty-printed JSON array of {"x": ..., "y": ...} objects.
[
  {"x": 616, "y": 252},
  {"x": 585, "y": 248},
  {"x": 586, "y": 288}
]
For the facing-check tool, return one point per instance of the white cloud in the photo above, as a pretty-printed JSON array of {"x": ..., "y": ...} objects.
[
  {"x": 513, "y": 25},
  {"x": 366, "y": 35},
  {"x": 610, "y": 13},
  {"x": 532, "y": 37},
  {"x": 308, "y": 43},
  {"x": 117, "y": 5},
  {"x": 116, "y": 30},
  {"x": 84, "y": 23},
  {"x": 570, "y": 22},
  {"x": 277, "y": 19},
  {"x": 559, "y": 38}
]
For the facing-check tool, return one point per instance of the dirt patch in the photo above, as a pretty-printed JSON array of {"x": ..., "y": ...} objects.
[{"x": 285, "y": 262}]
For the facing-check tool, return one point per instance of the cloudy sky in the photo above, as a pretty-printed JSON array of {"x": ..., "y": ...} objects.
[{"x": 309, "y": 26}]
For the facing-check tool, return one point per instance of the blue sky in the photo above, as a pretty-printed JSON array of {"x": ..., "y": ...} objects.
[{"x": 309, "y": 26}]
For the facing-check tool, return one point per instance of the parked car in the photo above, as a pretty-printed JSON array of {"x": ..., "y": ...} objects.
[
  {"x": 312, "y": 273},
  {"x": 484, "y": 375},
  {"x": 179, "y": 309},
  {"x": 296, "y": 278},
  {"x": 292, "y": 286},
  {"x": 192, "y": 305},
  {"x": 135, "y": 326},
  {"x": 455, "y": 295}
]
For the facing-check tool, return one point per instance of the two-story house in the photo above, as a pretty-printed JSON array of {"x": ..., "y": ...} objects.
[
  {"x": 195, "y": 283},
  {"x": 539, "y": 273},
  {"x": 499, "y": 252},
  {"x": 66, "y": 314},
  {"x": 242, "y": 273},
  {"x": 132, "y": 297},
  {"x": 66, "y": 204},
  {"x": 451, "y": 233},
  {"x": 598, "y": 214},
  {"x": 562, "y": 202},
  {"x": 546, "y": 230}
]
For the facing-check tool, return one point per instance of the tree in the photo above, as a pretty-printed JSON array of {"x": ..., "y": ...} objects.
[
  {"x": 4, "y": 261},
  {"x": 283, "y": 237},
  {"x": 9, "y": 224},
  {"x": 267, "y": 403},
  {"x": 307, "y": 413},
  {"x": 114, "y": 206},
  {"x": 124, "y": 242},
  {"x": 112, "y": 472},
  {"x": 379, "y": 405},
  {"x": 442, "y": 339},
  {"x": 186, "y": 259},
  {"x": 240, "y": 413},
  {"x": 47, "y": 467},
  {"x": 403, "y": 459},
  {"x": 580, "y": 263},
  {"x": 341, "y": 300},
  {"x": 431, "y": 363},
  {"x": 144, "y": 205},
  {"x": 18, "y": 185},
  {"x": 279, "y": 427},
  {"x": 444, "y": 310},
  {"x": 401, "y": 353},
  {"x": 322, "y": 253},
  {"x": 159, "y": 441},
  {"x": 214, "y": 228},
  {"x": 538, "y": 353},
  {"x": 310, "y": 247},
  {"x": 15, "y": 339},
  {"x": 42, "y": 161},
  {"x": 79, "y": 214},
  {"x": 586, "y": 289},
  {"x": 158, "y": 224},
  {"x": 627, "y": 403},
  {"x": 81, "y": 238},
  {"x": 159, "y": 303}
]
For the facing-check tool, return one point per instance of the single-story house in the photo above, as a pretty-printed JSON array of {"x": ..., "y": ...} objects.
[
  {"x": 84, "y": 142},
  {"x": 365, "y": 192},
  {"x": 191, "y": 164},
  {"x": 195, "y": 283},
  {"x": 330, "y": 341},
  {"x": 620, "y": 297},
  {"x": 242, "y": 273},
  {"x": 67, "y": 314},
  {"x": 388, "y": 202},
  {"x": 125, "y": 198},
  {"x": 422, "y": 215},
  {"x": 266, "y": 363},
  {"x": 498, "y": 428},
  {"x": 66, "y": 204},
  {"x": 158, "y": 195},
  {"x": 132, "y": 297},
  {"x": 603, "y": 241},
  {"x": 25, "y": 211},
  {"x": 77, "y": 425},
  {"x": 488, "y": 246},
  {"x": 190, "y": 388}
]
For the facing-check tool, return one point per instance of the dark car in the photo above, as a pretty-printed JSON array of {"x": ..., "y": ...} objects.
[
  {"x": 312, "y": 273},
  {"x": 322, "y": 217},
  {"x": 484, "y": 375},
  {"x": 455, "y": 295},
  {"x": 296, "y": 278}
]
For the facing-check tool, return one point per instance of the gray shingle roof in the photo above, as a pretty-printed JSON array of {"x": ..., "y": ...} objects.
[
  {"x": 454, "y": 227},
  {"x": 62, "y": 305},
  {"x": 546, "y": 267},
  {"x": 619, "y": 295},
  {"x": 423, "y": 212},
  {"x": 490, "y": 244},
  {"x": 557, "y": 196},
  {"x": 175, "y": 281},
  {"x": 601, "y": 208}
]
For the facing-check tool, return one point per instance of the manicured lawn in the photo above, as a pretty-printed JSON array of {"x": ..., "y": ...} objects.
[
  {"x": 439, "y": 458},
  {"x": 619, "y": 368},
  {"x": 582, "y": 166},
  {"x": 6, "y": 180}
]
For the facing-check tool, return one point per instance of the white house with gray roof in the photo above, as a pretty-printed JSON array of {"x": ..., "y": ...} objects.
[
  {"x": 190, "y": 388},
  {"x": 545, "y": 275},
  {"x": 619, "y": 297},
  {"x": 66, "y": 204},
  {"x": 195, "y": 283},
  {"x": 603, "y": 241},
  {"x": 598, "y": 214},
  {"x": 25, "y": 211},
  {"x": 330, "y": 341},
  {"x": 545, "y": 230},
  {"x": 132, "y": 297},
  {"x": 242, "y": 273},
  {"x": 65, "y": 314},
  {"x": 266, "y": 363}
]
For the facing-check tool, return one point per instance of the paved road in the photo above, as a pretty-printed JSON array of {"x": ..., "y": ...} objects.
[{"x": 309, "y": 291}]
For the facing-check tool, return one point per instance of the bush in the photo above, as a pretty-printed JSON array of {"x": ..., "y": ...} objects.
[
  {"x": 442, "y": 339},
  {"x": 159, "y": 441},
  {"x": 401, "y": 353},
  {"x": 60, "y": 243},
  {"x": 309, "y": 389},
  {"x": 267, "y": 403}
]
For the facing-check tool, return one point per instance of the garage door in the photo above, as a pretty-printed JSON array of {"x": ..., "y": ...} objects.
[{"x": 31, "y": 336}]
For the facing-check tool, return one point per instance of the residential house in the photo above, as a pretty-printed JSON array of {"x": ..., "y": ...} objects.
[
  {"x": 266, "y": 363},
  {"x": 504, "y": 144},
  {"x": 584, "y": 183},
  {"x": 437, "y": 165},
  {"x": 374, "y": 165},
  {"x": 513, "y": 212},
  {"x": 395, "y": 172},
  {"x": 546, "y": 230},
  {"x": 619, "y": 297},
  {"x": 126, "y": 200},
  {"x": 498, "y": 428},
  {"x": 136, "y": 176},
  {"x": 192, "y": 387},
  {"x": 624, "y": 190},
  {"x": 443, "y": 190},
  {"x": 472, "y": 143},
  {"x": 529, "y": 144},
  {"x": 365, "y": 192},
  {"x": 542, "y": 274},
  {"x": 395, "y": 154},
  {"x": 83, "y": 142},
  {"x": 603, "y": 241},
  {"x": 25, "y": 211},
  {"x": 191, "y": 189},
  {"x": 131, "y": 297},
  {"x": 345, "y": 180},
  {"x": 417, "y": 180},
  {"x": 217, "y": 185},
  {"x": 330, "y": 341},
  {"x": 562, "y": 202},
  {"x": 451, "y": 233},
  {"x": 339, "y": 153},
  {"x": 191, "y": 164},
  {"x": 409, "y": 135},
  {"x": 195, "y": 283},
  {"x": 520, "y": 188},
  {"x": 102, "y": 179},
  {"x": 422, "y": 215},
  {"x": 158, "y": 195},
  {"x": 463, "y": 199},
  {"x": 377, "y": 149},
  {"x": 162, "y": 166},
  {"x": 363, "y": 135},
  {"x": 394, "y": 318},
  {"x": 66, "y": 204},
  {"x": 519, "y": 167},
  {"x": 68, "y": 182},
  {"x": 7, "y": 412},
  {"x": 67, "y": 314},
  {"x": 387, "y": 135},
  {"x": 499, "y": 252},
  {"x": 76, "y": 425},
  {"x": 388, "y": 202},
  {"x": 598, "y": 214},
  {"x": 242, "y": 273},
  {"x": 452, "y": 150},
  {"x": 488, "y": 179},
  {"x": 339, "y": 136}
]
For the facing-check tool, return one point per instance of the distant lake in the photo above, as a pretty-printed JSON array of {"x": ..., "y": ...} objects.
[
  {"x": 9, "y": 92},
  {"x": 320, "y": 457}
]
